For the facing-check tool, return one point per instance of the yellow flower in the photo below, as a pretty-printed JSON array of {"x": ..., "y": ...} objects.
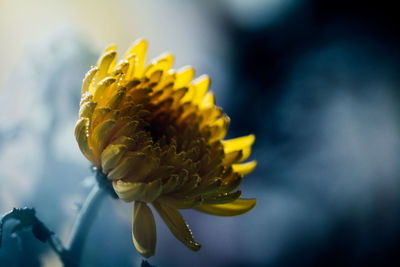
[{"x": 156, "y": 134}]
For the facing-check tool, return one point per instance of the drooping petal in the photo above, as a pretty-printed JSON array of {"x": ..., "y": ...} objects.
[
  {"x": 235, "y": 208},
  {"x": 144, "y": 232},
  {"x": 178, "y": 226}
]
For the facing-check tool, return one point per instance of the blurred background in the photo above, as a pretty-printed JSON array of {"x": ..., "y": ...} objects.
[{"x": 316, "y": 81}]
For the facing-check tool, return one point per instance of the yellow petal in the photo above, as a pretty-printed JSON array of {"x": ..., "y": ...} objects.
[
  {"x": 242, "y": 143},
  {"x": 111, "y": 47},
  {"x": 208, "y": 101},
  {"x": 144, "y": 233},
  {"x": 223, "y": 198},
  {"x": 106, "y": 64},
  {"x": 128, "y": 129},
  {"x": 147, "y": 192},
  {"x": 219, "y": 128},
  {"x": 163, "y": 62},
  {"x": 231, "y": 182},
  {"x": 122, "y": 66},
  {"x": 111, "y": 156},
  {"x": 127, "y": 164},
  {"x": 139, "y": 48},
  {"x": 101, "y": 87},
  {"x": 116, "y": 99},
  {"x": 81, "y": 135},
  {"x": 86, "y": 110},
  {"x": 155, "y": 77},
  {"x": 246, "y": 151},
  {"x": 235, "y": 208},
  {"x": 102, "y": 114},
  {"x": 238, "y": 143},
  {"x": 177, "y": 225},
  {"x": 201, "y": 85},
  {"x": 101, "y": 133},
  {"x": 232, "y": 157},
  {"x": 127, "y": 191},
  {"x": 244, "y": 168},
  {"x": 88, "y": 79},
  {"x": 183, "y": 77},
  {"x": 132, "y": 60}
]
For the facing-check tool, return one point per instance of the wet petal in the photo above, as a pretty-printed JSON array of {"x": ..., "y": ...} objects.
[
  {"x": 81, "y": 135},
  {"x": 175, "y": 222},
  {"x": 88, "y": 79}
]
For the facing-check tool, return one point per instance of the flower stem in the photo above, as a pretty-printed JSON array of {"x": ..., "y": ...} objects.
[{"x": 82, "y": 225}]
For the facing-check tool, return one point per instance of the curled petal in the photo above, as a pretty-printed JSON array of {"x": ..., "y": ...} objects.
[
  {"x": 105, "y": 64},
  {"x": 146, "y": 192},
  {"x": 88, "y": 79},
  {"x": 81, "y": 135},
  {"x": 111, "y": 156},
  {"x": 86, "y": 110}
]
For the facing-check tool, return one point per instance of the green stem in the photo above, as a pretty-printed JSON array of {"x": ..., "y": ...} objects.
[{"x": 82, "y": 226}]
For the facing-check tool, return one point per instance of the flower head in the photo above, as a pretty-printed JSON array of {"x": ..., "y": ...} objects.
[{"x": 156, "y": 134}]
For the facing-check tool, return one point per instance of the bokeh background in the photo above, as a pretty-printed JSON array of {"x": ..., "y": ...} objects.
[{"x": 316, "y": 81}]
